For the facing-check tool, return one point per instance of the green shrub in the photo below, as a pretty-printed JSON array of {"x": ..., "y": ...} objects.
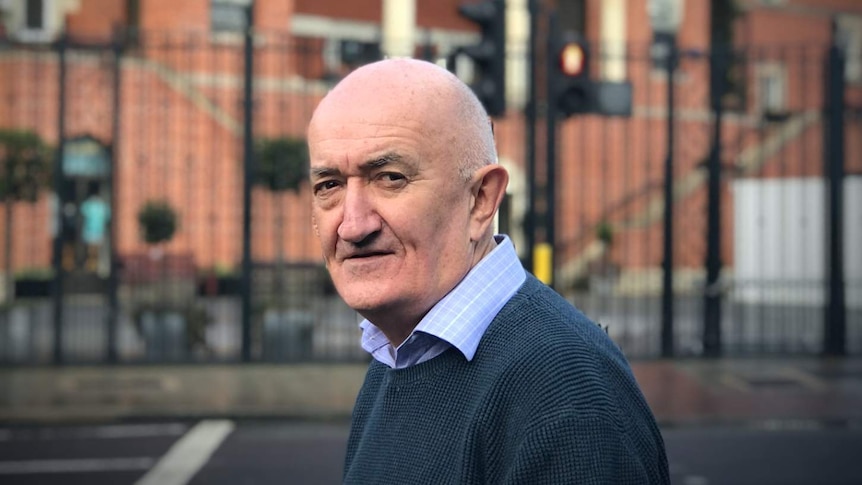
[{"x": 158, "y": 221}]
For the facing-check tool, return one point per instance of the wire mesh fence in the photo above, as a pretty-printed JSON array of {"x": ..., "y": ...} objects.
[{"x": 158, "y": 120}]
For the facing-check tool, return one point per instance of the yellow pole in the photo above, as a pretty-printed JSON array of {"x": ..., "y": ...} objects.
[{"x": 542, "y": 260}]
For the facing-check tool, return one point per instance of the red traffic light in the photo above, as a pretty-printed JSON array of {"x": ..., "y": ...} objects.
[{"x": 572, "y": 59}]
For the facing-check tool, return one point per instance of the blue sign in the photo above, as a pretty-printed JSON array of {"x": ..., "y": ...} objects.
[{"x": 85, "y": 157}]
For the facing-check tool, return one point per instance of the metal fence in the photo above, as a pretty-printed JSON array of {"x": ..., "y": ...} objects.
[{"x": 185, "y": 121}]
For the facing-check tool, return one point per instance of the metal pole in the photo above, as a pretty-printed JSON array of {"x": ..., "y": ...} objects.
[
  {"x": 667, "y": 262},
  {"x": 712, "y": 290},
  {"x": 248, "y": 175},
  {"x": 551, "y": 148},
  {"x": 113, "y": 304},
  {"x": 835, "y": 326},
  {"x": 59, "y": 191},
  {"x": 530, "y": 118}
]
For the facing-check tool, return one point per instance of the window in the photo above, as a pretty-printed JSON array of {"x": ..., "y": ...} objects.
[
  {"x": 35, "y": 20},
  {"x": 850, "y": 35},
  {"x": 771, "y": 88},
  {"x": 355, "y": 53},
  {"x": 35, "y": 15},
  {"x": 228, "y": 15}
]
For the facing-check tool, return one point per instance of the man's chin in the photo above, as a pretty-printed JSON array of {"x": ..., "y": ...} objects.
[{"x": 364, "y": 299}]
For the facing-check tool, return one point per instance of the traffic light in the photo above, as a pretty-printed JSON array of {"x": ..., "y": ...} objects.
[
  {"x": 489, "y": 55},
  {"x": 569, "y": 69}
]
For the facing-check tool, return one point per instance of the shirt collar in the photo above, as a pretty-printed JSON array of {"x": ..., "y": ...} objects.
[{"x": 462, "y": 316}]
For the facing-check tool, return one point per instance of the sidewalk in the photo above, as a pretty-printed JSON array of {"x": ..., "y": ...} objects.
[
  {"x": 779, "y": 390},
  {"x": 680, "y": 392}
]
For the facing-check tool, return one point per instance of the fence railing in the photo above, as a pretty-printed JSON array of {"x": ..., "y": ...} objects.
[{"x": 164, "y": 120}]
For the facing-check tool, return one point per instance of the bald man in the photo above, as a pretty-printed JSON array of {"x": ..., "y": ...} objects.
[{"x": 480, "y": 373}]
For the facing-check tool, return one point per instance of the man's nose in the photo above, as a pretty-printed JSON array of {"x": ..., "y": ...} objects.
[{"x": 359, "y": 219}]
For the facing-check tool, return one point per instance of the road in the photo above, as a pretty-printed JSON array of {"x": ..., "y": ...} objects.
[{"x": 278, "y": 452}]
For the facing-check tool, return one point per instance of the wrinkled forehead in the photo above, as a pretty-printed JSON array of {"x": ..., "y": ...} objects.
[
  {"x": 347, "y": 132},
  {"x": 364, "y": 105}
]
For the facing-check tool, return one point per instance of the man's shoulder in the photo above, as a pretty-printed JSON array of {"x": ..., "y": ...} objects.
[
  {"x": 540, "y": 330},
  {"x": 537, "y": 313}
]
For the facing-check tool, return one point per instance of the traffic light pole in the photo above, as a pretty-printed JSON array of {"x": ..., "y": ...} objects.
[
  {"x": 551, "y": 147},
  {"x": 530, "y": 118},
  {"x": 569, "y": 92}
]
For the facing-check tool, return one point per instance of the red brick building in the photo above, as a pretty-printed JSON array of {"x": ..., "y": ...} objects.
[{"x": 177, "y": 129}]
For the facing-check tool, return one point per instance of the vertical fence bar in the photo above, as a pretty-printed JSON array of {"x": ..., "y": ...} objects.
[
  {"x": 835, "y": 325},
  {"x": 113, "y": 303},
  {"x": 667, "y": 338},
  {"x": 248, "y": 171},
  {"x": 712, "y": 289},
  {"x": 57, "y": 255}
]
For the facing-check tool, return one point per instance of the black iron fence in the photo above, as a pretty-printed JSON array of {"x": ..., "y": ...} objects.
[{"x": 202, "y": 248}]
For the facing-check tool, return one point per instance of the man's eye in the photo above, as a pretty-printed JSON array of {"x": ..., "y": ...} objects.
[
  {"x": 392, "y": 178},
  {"x": 325, "y": 185}
]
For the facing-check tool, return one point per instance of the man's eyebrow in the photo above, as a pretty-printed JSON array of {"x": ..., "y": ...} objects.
[
  {"x": 382, "y": 161},
  {"x": 320, "y": 172},
  {"x": 369, "y": 166}
]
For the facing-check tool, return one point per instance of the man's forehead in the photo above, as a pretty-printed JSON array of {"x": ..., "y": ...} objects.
[
  {"x": 367, "y": 128},
  {"x": 368, "y": 109},
  {"x": 373, "y": 101}
]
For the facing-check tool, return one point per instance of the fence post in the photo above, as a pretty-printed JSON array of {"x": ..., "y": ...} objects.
[
  {"x": 667, "y": 316},
  {"x": 248, "y": 174},
  {"x": 834, "y": 326},
  {"x": 712, "y": 289},
  {"x": 113, "y": 304},
  {"x": 57, "y": 250}
]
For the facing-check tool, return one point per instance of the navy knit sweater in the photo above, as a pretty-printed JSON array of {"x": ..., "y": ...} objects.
[{"x": 548, "y": 398}]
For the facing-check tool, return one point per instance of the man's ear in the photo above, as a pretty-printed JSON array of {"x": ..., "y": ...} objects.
[{"x": 489, "y": 186}]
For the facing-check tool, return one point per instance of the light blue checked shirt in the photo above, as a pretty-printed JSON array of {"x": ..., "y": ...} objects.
[{"x": 460, "y": 318}]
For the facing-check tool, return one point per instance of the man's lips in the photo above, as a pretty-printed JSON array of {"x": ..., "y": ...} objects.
[{"x": 358, "y": 255}]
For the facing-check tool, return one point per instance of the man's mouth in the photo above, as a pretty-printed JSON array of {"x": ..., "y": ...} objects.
[{"x": 366, "y": 255}]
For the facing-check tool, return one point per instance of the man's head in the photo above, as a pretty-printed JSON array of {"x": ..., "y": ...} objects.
[{"x": 405, "y": 188}]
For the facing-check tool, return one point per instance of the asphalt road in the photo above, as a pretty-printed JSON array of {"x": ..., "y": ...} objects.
[{"x": 283, "y": 452}]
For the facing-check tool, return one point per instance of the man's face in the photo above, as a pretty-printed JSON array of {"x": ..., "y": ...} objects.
[{"x": 390, "y": 208}]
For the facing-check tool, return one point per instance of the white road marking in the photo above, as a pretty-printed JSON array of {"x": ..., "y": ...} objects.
[
  {"x": 189, "y": 454},
  {"x": 139, "y": 430},
  {"x": 26, "y": 467},
  {"x": 95, "y": 432}
]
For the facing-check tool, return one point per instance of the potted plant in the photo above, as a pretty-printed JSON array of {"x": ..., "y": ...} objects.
[
  {"x": 170, "y": 326},
  {"x": 281, "y": 166},
  {"x": 26, "y": 170},
  {"x": 157, "y": 221}
]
